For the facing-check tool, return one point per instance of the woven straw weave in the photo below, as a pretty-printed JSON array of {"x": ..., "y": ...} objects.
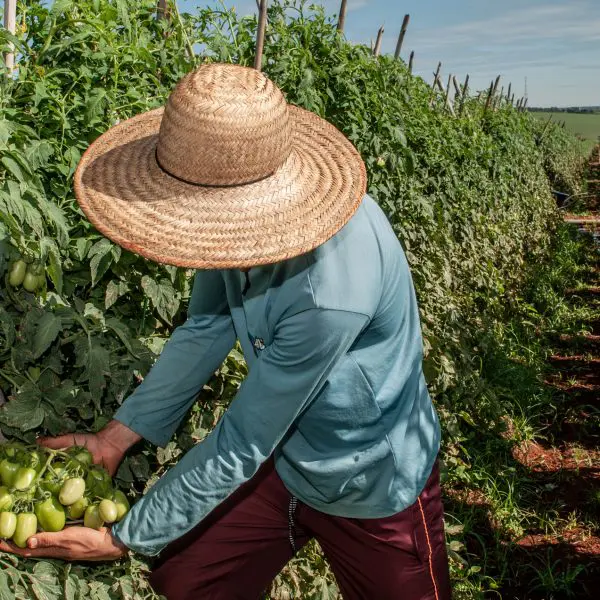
[{"x": 227, "y": 175}]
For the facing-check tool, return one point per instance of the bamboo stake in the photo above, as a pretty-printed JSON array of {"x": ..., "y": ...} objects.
[
  {"x": 260, "y": 35},
  {"x": 401, "y": 36},
  {"x": 10, "y": 22},
  {"x": 411, "y": 61},
  {"x": 342, "y": 16},
  {"x": 377, "y": 48}
]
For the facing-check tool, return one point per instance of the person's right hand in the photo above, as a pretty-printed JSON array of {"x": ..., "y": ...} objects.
[{"x": 108, "y": 446}]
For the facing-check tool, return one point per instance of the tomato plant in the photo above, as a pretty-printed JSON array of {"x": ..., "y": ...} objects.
[{"x": 82, "y": 320}]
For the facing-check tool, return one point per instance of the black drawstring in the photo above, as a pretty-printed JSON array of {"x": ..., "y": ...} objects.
[
  {"x": 291, "y": 524},
  {"x": 247, "y": 284}
]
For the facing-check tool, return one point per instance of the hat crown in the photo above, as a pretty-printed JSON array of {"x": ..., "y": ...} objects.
[{"x": 224, "y": 125}]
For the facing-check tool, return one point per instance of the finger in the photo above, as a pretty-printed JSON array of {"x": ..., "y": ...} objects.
[
  {"x": 6, "y": 547},
  {"x": 13, "y": 549},
  {"x": 47, "y": 540},
  {"x": 56, "y": 443}
]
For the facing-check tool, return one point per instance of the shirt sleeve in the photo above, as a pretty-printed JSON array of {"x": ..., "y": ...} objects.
[
  {"x": 288, "y": 374},
  {"x": 193, "y": 353}
]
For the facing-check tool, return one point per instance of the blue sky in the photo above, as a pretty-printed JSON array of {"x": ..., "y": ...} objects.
[{"x": 554, "y": 43}]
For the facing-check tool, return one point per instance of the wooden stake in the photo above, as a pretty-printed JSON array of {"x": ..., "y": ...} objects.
[
  {"x": 489, "y": 98},
  {"x": 496, "y": 84},
  {"x": 512, "y": 99},
  {"x": 411, "y": 60},
  {"x": 260, "y": 35},
  {"x": 457, "y": 93},
  {"x": 377, "y": 48},
  {"x": 401, "y": 36},
  {"x": 436, "y": 77},
  {"x": 10, "y": 22},
  {"x": 162, "y": 10},
  {"x": 525, "y": 103},
  {"x": 447, "y": 94},
  {"x": 342, "y": 16},
  {"x": 508, "y": 93},
  {"x": 463, "y": 98}
]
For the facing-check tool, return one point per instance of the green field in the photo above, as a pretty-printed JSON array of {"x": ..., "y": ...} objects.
[{"x": 585, "y": 125}]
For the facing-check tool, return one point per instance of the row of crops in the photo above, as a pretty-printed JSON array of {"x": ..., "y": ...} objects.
[{"x": 469, "y": 197}]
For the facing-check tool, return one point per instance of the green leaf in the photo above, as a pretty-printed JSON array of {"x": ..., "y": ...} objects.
[
  {"x": 6, "y": 586},
  {"x": 38, "y": 153},
  {"x": 45, "y": 581},
  {"x": 24, "y": 410},
  {"x": 40, "y": 92},
  {"x": 122, "y": 332},
  {"x": 162, "y": 295},
  {"x": 13, "y": 167},
  {"x": 95, "y": 102},
  {"x": 114, "y": 291},
  {"x": 96, "y": 362},
  {"x": 47, "y": 330},
  {"x": 100, "y": 259},
  {"x": 99, "y": 591}
]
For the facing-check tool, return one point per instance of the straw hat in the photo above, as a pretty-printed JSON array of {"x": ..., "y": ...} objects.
[{"x": 226, "y": 175}]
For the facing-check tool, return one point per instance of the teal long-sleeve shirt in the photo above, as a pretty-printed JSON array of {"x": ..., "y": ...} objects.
[{"x": 335, "y": 390}]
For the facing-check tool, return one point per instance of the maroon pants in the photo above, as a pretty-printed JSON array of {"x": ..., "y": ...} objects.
[{"x": 236, "y": 552}]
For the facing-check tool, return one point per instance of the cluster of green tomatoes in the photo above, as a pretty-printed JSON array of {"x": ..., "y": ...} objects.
[
  {"x": 48, "y": 489},
  {"x": 30, "y": 275}
]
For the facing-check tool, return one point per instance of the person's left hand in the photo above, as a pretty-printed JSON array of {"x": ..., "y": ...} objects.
[{"x": 72, "y": 543}]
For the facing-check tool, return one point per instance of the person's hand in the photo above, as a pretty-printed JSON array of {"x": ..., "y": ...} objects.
[
  {"x": 72, "y": 543},
  {"x": 108, "y": 446}
]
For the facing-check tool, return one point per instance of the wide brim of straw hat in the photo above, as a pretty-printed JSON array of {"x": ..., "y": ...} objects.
[{"x": 130, "y": 199}]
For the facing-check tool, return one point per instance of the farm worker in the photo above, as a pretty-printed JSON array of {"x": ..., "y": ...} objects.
[{"x": 333, "y": 434}]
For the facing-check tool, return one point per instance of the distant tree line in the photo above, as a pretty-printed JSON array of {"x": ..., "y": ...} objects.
[{"x": 570, "y": 109}]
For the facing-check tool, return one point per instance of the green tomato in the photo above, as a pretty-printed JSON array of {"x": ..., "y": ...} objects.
[
  {"x": 8, "y": 472},
  {"x": 6, "y": 499},
  {"x": 17, "y": 273},
  {"x": 8, "y": 524},
  {"x": 51, "y": 486},
  {"x": 122, "y": 504},
  {"x": 54, "y": 478},
  {"x": 24, "y": 478},
  {"x": 30, "y": 283},
  {"x": 51, "y": 515},
  {"x": 26, "y": 527},
  {"x": 71, "y": 491},
  {"x": 35, "y": 460},
  {"x": 92, "y": 518},
  {"x": 107, "y": 510},
  {"x": 99, "y": 483},
  {"x": 77, "y": 509},
  {"x": 37, "y": 268},
  {"x": 80, "y": 457}
]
